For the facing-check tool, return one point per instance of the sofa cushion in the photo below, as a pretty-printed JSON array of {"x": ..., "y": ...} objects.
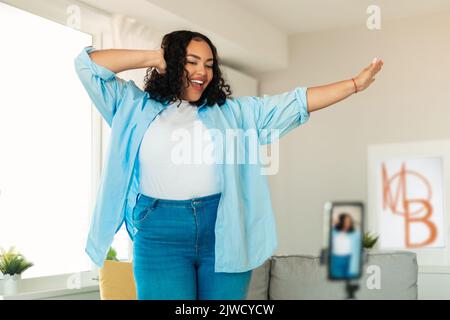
[
  {"x": 398, "y": 271},
  {"x": 298, "y": 277},
  {"x": 302, "y": 277},
  {"x": 259, "y": 283}
]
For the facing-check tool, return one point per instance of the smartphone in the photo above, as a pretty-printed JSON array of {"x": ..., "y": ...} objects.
[{"x": 345, "y": 240}]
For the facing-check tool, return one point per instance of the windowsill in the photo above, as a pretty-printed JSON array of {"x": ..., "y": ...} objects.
[
  {"x": 54, "y": 286},
  {"x": 54, "y": 293}
]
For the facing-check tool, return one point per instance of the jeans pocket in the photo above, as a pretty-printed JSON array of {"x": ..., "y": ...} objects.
[{"x": 141, "y": 212}]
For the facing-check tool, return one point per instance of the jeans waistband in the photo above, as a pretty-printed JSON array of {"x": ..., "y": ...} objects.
[{"x": 197, "y": 201}]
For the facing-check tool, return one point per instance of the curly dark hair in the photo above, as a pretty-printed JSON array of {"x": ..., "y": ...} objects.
[
  {"x": 341, "y": 221},
  {"x": 168, "y": 87}
]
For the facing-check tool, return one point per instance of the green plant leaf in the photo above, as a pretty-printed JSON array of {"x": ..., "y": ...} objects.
[
  {"x": 13, "y": 262},
  {"x": 112, "y": 255},
  {"x": 369, "y": 240}
]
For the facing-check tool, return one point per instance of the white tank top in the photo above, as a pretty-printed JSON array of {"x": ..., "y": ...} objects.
[
  {"x": 176, "y": 156},
  {"x": 342, "y": 244}
]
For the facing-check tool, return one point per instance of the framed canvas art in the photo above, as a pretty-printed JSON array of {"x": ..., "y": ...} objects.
[{"x": 407, "y": 185}]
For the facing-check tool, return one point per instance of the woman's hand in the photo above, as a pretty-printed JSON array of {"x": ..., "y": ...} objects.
[
  {"x": 323, "y": 96},
  {"x": 161, "y": 67},
  {"x": 366, "y": 76}
]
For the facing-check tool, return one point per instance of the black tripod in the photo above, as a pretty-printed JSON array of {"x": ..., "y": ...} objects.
[{"x": 351, "y": 288}]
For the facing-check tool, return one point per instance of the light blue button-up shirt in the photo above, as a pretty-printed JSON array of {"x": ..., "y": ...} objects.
[{"x": 245, "y": 227}]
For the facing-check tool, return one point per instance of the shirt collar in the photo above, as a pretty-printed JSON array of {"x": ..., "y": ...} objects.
[{"x": 166, "y": 103}]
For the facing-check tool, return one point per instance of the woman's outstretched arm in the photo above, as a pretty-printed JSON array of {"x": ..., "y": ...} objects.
[
  {"x": 326, "y": 95},
  {"x": 118, "y": 60}
]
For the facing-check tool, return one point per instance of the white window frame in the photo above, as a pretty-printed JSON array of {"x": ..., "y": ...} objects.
[{"x": 57, "y": 13}]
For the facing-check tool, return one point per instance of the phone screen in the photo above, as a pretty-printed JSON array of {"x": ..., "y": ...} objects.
[{"x": 345, "y": 240}]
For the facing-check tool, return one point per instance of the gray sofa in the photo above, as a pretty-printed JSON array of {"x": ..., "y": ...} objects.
[{"x": 386, "y": 275}]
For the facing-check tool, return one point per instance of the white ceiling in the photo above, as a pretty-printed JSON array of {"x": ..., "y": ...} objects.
[
  {"x": 295, "y": 16},
  {"x": 253, "y": 35}
]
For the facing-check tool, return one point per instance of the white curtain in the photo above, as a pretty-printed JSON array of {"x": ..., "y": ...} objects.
[{"x": 127, "y": 33}]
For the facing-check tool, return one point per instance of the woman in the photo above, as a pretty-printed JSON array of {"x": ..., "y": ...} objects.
[
  {"x": 198, "y": 229},
  {"x": 346, "y": 247}
]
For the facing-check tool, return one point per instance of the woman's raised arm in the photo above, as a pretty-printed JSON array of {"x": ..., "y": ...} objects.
[
  {"x": 118, "y": 60},
  {"x": 97, "y": 72}
]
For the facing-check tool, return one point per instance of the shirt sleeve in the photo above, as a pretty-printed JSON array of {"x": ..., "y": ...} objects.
[
  {"x": 276, "y": 115},
  {"x": 102, "y": 85}
]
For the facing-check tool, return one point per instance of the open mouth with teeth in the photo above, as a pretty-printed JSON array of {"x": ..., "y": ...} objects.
[{"x": 197, "y": 84}]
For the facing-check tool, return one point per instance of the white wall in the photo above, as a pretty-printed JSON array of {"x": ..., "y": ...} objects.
[
  {"x": 326, "y": 159},
  {"x": 240, "y": 83}
]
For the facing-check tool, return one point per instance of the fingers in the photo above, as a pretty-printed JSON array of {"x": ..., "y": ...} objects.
[
  {"x": 376, "y": 66},
  {"x": 376, "y": 63}
]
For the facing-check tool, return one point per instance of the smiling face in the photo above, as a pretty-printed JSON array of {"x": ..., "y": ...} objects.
[
  {"x": 347, "y": 223},
  {"x": 199, "y": 65}
]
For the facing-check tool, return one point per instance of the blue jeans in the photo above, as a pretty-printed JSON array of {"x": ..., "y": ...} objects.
[
  {"x": 173, "y": 251},
  {"x": 340, "y": 266}
]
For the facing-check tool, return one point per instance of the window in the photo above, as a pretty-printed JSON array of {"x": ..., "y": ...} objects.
[{"x": 45, "y": 144}]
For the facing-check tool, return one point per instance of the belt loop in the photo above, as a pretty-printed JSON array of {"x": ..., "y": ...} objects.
[{"x": 137, "y": 197}]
